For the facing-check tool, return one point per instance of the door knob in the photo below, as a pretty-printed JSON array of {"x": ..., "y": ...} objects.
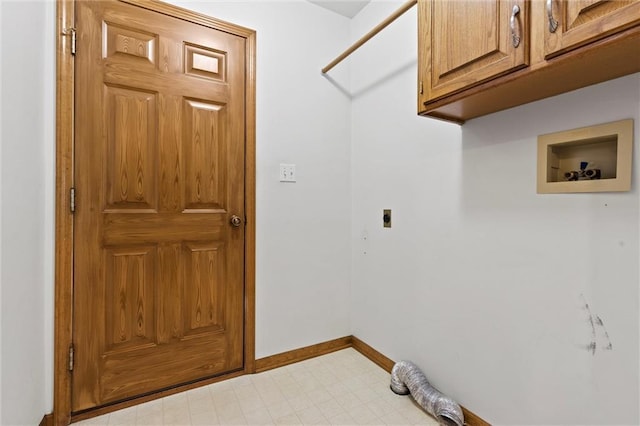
[{"x": 235, "y": 221}]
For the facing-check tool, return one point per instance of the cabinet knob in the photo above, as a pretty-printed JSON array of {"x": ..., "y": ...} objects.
[
  {"x": 514, "y": 37},
  {"x": 553, "y": 24}
]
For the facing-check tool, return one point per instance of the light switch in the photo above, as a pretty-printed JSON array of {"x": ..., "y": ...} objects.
[{"x": 287, "y": 172}]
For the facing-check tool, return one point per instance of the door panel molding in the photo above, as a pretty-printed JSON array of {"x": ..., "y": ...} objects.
[{"x": 63, "y": 324}]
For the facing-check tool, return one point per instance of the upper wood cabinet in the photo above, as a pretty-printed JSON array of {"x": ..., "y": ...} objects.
[
  {"x": 472, "y": 41},
  {"x": 476, "y": 57},
  {"x": 574, "y": 23}
]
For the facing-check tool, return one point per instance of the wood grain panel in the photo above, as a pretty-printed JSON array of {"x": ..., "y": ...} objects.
[
  {"x": 203, "y": 62},
  {"x": 579, "y": 12},
  {"x": 122, "y": 42},
  {"x": 297, "y": 355},
  {"x": 125, "y": 75},
  {"x": 47, "y": 420},
  {"x": 63, "y": 322},
  {"x": 170, "y": 56},
  {"x": 204, "y": 288},
  {"x": 194, "y": 17},
  {"x": 472, "y": 419},
  {"x": 159, "y": 367},
  {"x": 581, "y": 22},
  {"x": 204, "y": 149},
  {"x": 130, "y": 298},
  {"x": 467, "y": 42},
  {"x": 381, "y": 360},
  {"x": 151, "y": 228},
  {"x": 170, "y": 288},
  {"x": 478, "y": 18},
  {"x": 250, "y": 206},
  {"x": 131, "y": 148},
  {"x": 170, "y": 147}
]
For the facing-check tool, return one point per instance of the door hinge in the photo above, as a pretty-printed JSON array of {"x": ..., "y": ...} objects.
[
  {"x": 72, "y": 199},
  {"x": 71, "y": 353},
  {"x": 72, "y": 32},
  {"x": 421, "y": 88}
]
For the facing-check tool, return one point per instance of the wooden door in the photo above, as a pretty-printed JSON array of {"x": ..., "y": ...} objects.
[
  {"x": 159, "y": 172},
  {"x": 466, "y": 42},
  {"x": 578, "y": 22}
]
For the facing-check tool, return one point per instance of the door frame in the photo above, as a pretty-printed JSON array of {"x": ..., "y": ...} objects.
[{"x": 65, "y": 77}]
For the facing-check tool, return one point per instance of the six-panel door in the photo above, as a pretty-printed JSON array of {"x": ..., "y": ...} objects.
[{"x": 159, "y": 171}]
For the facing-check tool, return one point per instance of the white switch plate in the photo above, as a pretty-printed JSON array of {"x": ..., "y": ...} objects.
[{"x": 287, "y": 172}]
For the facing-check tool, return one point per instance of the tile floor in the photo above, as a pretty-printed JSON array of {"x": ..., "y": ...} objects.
[{"x": 341, "y": 388}]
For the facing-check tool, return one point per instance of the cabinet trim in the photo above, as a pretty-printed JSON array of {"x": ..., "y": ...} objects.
[{"x": 605, "y": 59}]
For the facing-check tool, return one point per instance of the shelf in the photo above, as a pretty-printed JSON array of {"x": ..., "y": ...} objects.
[{"x": 589, "y": 159}]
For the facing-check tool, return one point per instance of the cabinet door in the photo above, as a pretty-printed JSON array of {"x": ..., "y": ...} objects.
[
  {"x": 466, "y": 42},
  {"x": 573, "y": 23}
]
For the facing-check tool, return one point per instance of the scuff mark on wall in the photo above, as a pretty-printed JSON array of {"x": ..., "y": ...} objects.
[
  {"x": 600, "y": 323},
  {"x": 596, "y": 324}
]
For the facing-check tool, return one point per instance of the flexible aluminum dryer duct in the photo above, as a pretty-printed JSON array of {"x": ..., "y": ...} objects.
[{"x": 407, "y": 378}]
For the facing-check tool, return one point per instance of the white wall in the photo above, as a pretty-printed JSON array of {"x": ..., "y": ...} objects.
[
  {"x": 49, "y": 173},
  {"x": 24, "y": 107},
  {"x": 483, "y": 282},
  {"x": 1, "y": 120}
]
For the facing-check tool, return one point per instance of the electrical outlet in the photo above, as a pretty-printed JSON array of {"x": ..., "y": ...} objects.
[
  {"x": 386, "y": 218},
  {"x": 287, "y": 172}
]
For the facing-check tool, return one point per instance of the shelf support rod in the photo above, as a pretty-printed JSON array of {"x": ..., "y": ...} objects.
[{"x": 395, "y": 15}]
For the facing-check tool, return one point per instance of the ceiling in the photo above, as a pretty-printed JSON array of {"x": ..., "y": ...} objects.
[{"x": 348, "y": 8}]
